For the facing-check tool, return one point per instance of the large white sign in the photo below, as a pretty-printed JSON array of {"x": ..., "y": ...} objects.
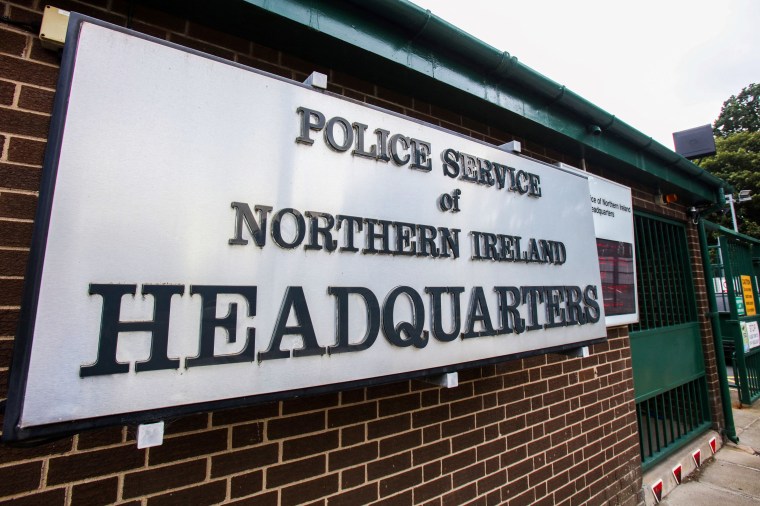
[{"x": 215, "y": 233}]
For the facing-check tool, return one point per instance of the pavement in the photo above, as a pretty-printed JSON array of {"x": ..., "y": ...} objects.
[{"x": 732, "y": 476}]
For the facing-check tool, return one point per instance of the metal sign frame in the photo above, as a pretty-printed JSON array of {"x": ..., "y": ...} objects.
[{"x": 21, "y": 362}]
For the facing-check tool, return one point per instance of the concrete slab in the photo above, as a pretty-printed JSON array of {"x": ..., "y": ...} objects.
[
  {"x": 663, "y": 470},
  {"x": 741, "y": 455},
  {"x": 750, "y": 436},
  {"x": 732, "y": 477},
  {"x": 700, "y": 494},
  {"x": 727, "y": 475},
  {"x": 743, "y": 418}
]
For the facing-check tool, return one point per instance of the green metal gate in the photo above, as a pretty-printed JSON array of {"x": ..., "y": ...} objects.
[
  {"x": 734, "y": 260},
  {"x": 668, "y": 363}
]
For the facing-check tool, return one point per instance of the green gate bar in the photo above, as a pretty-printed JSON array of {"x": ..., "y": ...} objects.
[
  {"x": 668, "y": 363},
  {"x": 725, "y": 395},
  {"x": 737, "y": 253}
]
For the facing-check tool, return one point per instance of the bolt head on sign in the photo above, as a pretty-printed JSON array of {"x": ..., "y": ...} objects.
[{"x": 657, "y": 491}]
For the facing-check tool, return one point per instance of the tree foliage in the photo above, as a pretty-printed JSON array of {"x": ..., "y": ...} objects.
[
  {"x": 738, "y": 162},
  {"x": 740, "y": 113}
]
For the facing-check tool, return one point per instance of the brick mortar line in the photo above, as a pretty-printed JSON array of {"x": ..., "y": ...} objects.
[
  {"x": 530, "y": 457},
  {"x": 16, "y": 93},
  {"x": 120, "y": 487},
  {"x": 15, "y": 191},
  {"x": 20, "y": 84},
  {"x": 227, "y": 490},
  {"x": 11, "y": 135},
  {"x": 16, "y": 107},
  {"x": 164, "y": 491},
  {"x": 56, "y": 66},
  {"x": 28, "y": 493},
  {"x": 21, "y": 164},
  {"x": 15, "y": 29},
  {"x": 13, "y": 248},
  {"x": 362, "y": 464},
  {"x": 16, "y": 220},
  {"x": 281, "y": 488}
]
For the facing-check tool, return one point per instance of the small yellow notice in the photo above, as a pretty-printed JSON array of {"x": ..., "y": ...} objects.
[{"x": 749, "y": 298}]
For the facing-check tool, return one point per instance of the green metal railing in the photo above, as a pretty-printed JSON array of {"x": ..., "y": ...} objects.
[
  {"x": 665, "y": 287},
  {"x": 667, "y": 420},
  {"x": 668, "y": 362},
  {"x": 712, "y": 266},
  {"x": 748, "y": 383},
  {"x": 738, "y": 254}
]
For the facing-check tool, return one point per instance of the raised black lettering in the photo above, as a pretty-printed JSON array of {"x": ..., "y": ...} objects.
[
  {"x": 469, "y": 168},
  {"x": 521, "y": 182},
  {"x": 372, "y": 234},
  {"x": 111, "y": 326},
  {"x": 489, "y": 246},
  {"x": 478, "y": 313},
  {"x": 393, "y": 143},
  {"x": 476, "y": 255},
  {"x": 500, "y": 171},
  {"x": 450, "y": 163},
  {"x": 532, "y": 295},
  {"x": 210, "y": 322},
  {"x": 294, "y": 302},
  {"x": 315, "y": 231},
  {"x": 360, "y": 130},
  {"x": 426, "y": 242},
  {"x": 382, "y": 144},
  {"x": 485, "y": 176},
  {"x": 300, "y": 228},
  {"x": 404, "y": 334},
  {"x": 372, "y": 307},
  {"x": 421, "y": 151},
  {"x": 592, "y": 311},
  {"x": 509, "y": 315},
  {"x": 353, "y": 223},
  {"x": 575, "y": 313},
  {"x": 243, "y": 215},
  {"x": 534, "y": 185},
  {"x": 436, "y": 293},
  {"x": 555, "y": 314},
  {"x": 310, "y": 120},
  {"x": 405, "y": 245},
  {"x": 348, "y": 134},
  {"x": 449, "y": 241}
]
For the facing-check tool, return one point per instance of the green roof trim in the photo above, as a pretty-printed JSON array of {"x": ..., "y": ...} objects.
[{"x": 400, "y": 33}]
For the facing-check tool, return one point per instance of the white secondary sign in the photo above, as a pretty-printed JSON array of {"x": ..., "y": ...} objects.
[
  {"x": 216, "y": 233},
  {"x": 612, "y": 207},
  {"x": 752, "y": 331}
]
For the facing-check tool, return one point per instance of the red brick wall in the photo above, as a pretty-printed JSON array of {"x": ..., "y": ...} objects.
[{"x": 549, "y": 429}]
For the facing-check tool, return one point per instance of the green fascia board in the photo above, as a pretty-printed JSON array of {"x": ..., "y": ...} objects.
[{"x": 403, "y": 34}]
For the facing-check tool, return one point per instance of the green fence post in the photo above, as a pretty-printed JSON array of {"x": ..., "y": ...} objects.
[
  {"x": 725, "y": 394},
  {"x": 740, "y": 372}
]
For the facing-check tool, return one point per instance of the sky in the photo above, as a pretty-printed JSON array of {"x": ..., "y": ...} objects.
[{"x": 660, "y": 66}]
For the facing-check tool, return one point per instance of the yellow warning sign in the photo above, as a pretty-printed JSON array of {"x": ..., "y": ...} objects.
[{"x": 749, "y": 298}]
